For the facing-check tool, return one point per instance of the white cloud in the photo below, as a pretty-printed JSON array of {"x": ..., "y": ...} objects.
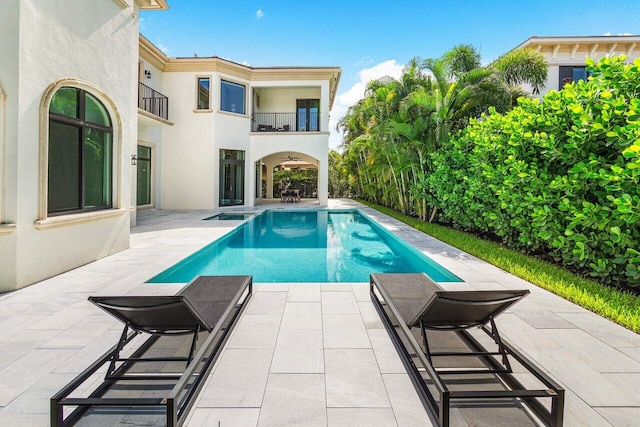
[
  {"x": 259, "y": 13},
  {"x": 162, "y": 47},
  {"x": 356, "y": 92}
]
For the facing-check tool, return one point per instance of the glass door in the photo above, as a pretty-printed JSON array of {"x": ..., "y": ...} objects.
[
  {"x": 144, "y": 176},
  {"x": 308, "y": 114},
  {"x": 231, "y": 177}
]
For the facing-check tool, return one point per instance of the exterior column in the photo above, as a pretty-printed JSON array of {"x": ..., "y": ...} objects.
[
  {"x": 323, "y": 180},
  {"x": 269, "y": 180}
]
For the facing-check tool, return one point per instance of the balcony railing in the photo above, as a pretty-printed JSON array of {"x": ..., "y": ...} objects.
[
  {"x": 304, "y": 121},
  {"x": 153, "y": 102}
]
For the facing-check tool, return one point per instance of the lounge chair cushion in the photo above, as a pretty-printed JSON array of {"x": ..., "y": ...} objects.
[
  {"x": 153, "y": 314},
  {"x": 418, "y": 298}
]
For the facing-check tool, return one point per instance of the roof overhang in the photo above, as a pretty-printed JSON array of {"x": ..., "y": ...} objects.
[
  {"x": 152, "y": 4},
  {"x": 554, "y": 40},
  {"x": 155, "y": 56}
]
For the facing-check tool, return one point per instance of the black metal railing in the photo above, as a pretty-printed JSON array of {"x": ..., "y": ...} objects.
[
  {"x": 152, "y": 101},
  {"x": 308, "y": 121}
]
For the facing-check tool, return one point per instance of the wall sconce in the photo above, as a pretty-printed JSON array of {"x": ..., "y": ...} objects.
[
  {"x": 134, "y": 159},
  {"x": 147, "y": 73}
]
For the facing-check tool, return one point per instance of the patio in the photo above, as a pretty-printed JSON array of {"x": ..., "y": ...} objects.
[{"x": 302, "y": 354}]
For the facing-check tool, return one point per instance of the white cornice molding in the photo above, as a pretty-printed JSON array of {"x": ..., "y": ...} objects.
[
  {"x": 152, "y": 4},
  {"x": 151, "y": 53},
  {"x": 122, "y": 3},
  {"x": 569, "y": 41}
]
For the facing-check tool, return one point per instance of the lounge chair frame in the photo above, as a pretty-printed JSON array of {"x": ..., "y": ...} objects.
[
  {"x": 438, "y": 403},
  {"x": 181, "y": 398}
]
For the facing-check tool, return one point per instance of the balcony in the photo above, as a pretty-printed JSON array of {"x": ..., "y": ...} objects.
[
  {"x": 153, "y": 102},
  {"x": 303, "y": 121}
]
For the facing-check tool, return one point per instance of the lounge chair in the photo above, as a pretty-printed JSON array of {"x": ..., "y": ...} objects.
[
  {"x": 450, "y": 366},
  {"x": 206, "y": 310}
]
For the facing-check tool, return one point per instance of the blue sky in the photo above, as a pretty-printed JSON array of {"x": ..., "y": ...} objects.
[{"x": 371, "y": 39}]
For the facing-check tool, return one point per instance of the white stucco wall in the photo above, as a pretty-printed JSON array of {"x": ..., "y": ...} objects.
[
  {"x": 189, "y": 172},
  {"x": 283, "y": 99},
  {"x": 8, "y": 141},
  {"x": 150, "y": 136},
  {"x": 155, "y": 82},
  {"x": 91, "y": 42}
]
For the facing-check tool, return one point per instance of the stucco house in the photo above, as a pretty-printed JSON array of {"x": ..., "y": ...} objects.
[
  {"x": 228, "y": 126},
  {"x": 95, "y": 122},
  {"x": 566, "y": 56}
]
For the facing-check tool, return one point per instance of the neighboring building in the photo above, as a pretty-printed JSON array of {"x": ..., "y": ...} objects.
[
  {"x": 566, "y": 56},
  {"x": 83, "y": 98}
]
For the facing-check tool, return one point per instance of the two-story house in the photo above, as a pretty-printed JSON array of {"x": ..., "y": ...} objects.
[
  {"x": 228, "y": 127},
  {"x": 96, "y": 121}
]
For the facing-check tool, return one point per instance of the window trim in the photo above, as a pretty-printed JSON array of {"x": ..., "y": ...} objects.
[
  {"x": 4, "y": 228},
  {"x": 244, "y": 112},
  {"x": 561, "y": 82},
  {"x": 152, "y": 197},
  {"x": 43, "y": 190},
  {"x": 82, "y": 125},
  {"x": 197, "y": 94}
]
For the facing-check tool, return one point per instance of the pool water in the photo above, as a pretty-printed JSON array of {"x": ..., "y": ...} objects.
[{"x": 306, "y": 246}]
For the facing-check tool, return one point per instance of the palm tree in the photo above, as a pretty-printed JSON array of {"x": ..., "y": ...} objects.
[{"x": 390, "y": 134}]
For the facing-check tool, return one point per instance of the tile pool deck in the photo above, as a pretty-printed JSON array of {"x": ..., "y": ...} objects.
[{"x": 302, "y": 354}]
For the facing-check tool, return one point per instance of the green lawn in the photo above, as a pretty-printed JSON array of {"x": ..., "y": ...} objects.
[{"x": 620, "y": 307}]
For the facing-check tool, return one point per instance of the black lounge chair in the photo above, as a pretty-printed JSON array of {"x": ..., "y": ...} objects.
[
  {"x": 450, "y": 366},
  {"x": 206, "y": 309}
]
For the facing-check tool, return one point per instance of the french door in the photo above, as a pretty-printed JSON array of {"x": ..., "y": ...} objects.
[
  {"x": 231, "y": 177},
  {"x": 307, "y": 115},
  {"x": 144, "y": 176}
]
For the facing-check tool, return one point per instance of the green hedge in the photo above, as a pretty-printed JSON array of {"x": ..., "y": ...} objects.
[{"x": 559, "y": 177}]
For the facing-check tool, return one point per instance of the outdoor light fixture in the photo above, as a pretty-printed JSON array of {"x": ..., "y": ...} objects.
[{"x": 134, "y": 159}]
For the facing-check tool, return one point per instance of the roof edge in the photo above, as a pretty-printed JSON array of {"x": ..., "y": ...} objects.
[
  {"x": 568, "y": 39},
  {"x": 152, "y": 4}
]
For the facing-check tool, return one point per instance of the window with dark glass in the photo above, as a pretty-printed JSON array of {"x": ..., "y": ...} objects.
[
  {"x": 203, "y": 93},
  {"x": 569, "y": 74},
  {"x": 232, "y": 97},
  {"x": 308, "y": 115},
  {"x": 80, "y": 153}
]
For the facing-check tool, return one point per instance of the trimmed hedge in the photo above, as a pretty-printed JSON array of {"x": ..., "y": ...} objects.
[{"x": 559, "y": 177}]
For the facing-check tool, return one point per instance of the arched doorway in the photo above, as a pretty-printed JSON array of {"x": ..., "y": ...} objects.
[{"x": 288, "y": 170}]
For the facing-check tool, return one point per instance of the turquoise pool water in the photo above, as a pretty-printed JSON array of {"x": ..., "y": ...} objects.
[{"x": 306, "y": 246}]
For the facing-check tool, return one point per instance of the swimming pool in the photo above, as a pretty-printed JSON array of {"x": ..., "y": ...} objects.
[{"x": 306, "y": 246}]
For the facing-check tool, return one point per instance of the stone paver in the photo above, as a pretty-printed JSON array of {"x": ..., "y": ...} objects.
[{"x": 324, "y": 338}]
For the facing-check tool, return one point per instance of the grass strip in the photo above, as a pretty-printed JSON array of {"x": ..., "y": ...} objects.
[{"x": 620, "y": 307}]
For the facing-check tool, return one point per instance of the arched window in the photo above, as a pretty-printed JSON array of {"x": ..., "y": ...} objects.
[{"x": 80, "y": 153}]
